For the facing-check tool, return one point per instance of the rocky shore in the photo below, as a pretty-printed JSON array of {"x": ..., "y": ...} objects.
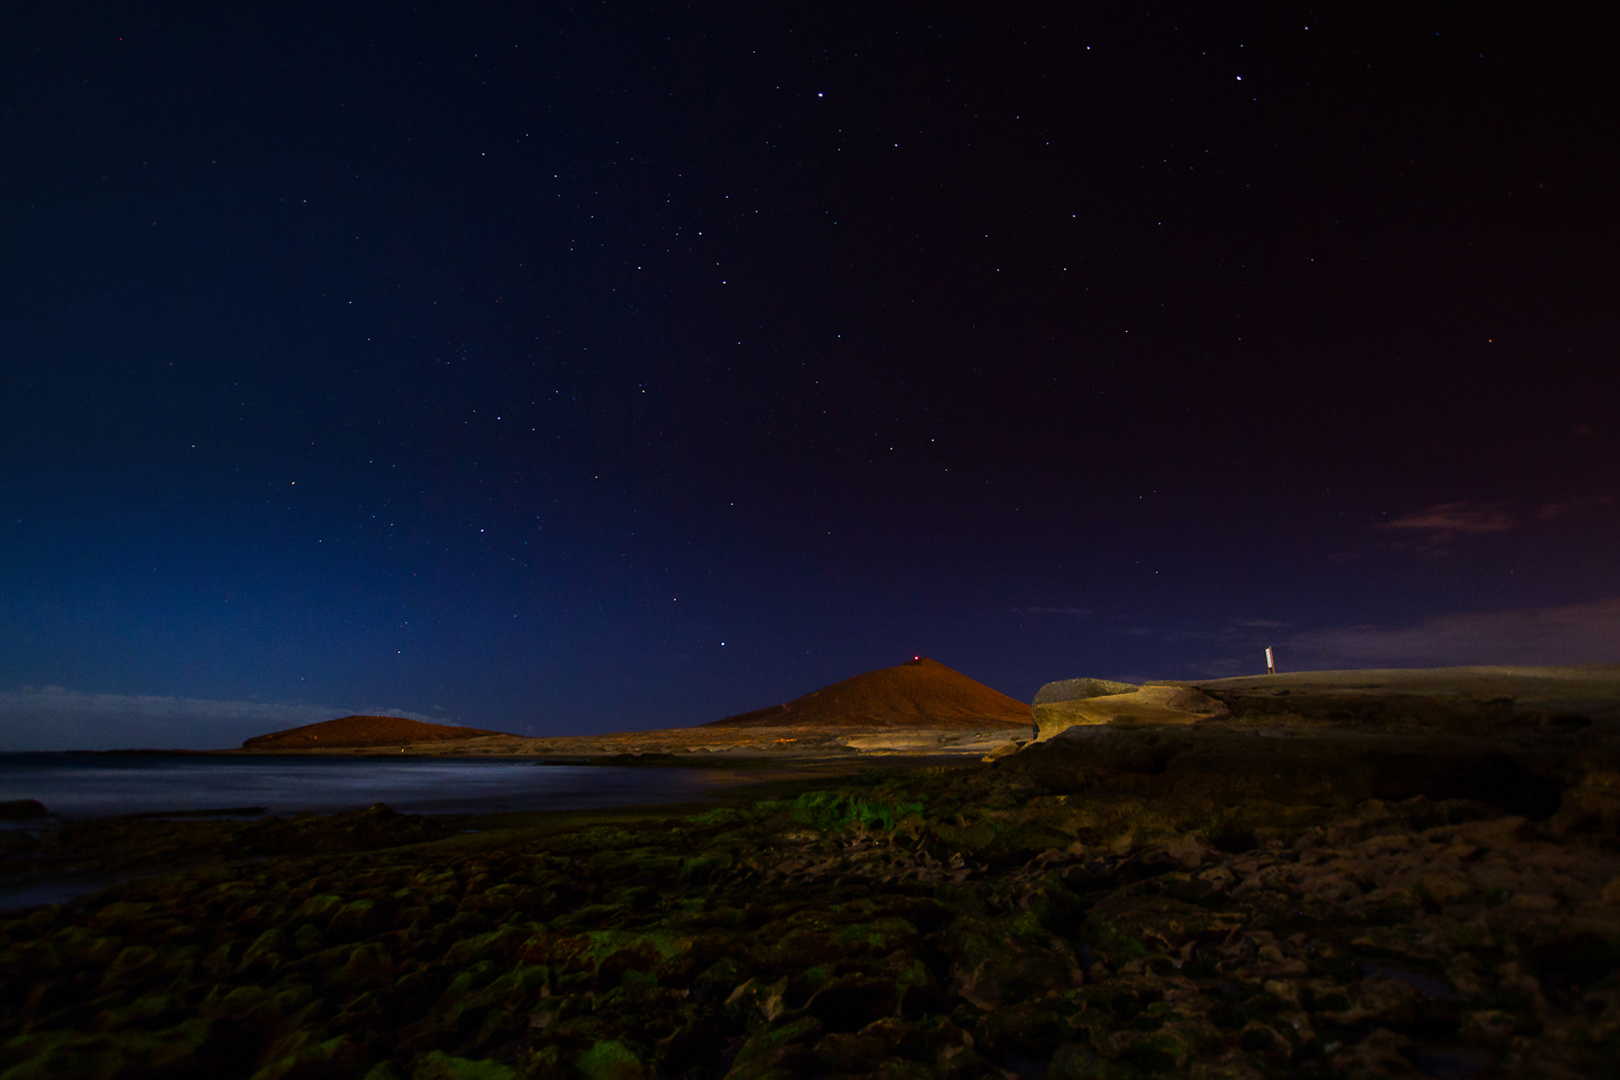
[
  {"x": 701, "y": 746},
  {"x": 1273, "y": 893}
]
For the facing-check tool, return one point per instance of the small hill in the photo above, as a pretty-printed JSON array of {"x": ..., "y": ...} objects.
[
  {"x": 352, "y": 731},
  {"x": 919, "y": 694}
]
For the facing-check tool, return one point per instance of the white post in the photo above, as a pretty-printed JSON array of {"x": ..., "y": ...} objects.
[{"x": 1271, "y": 667}]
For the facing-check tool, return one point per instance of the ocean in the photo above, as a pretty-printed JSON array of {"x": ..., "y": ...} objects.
[{"x": 99, "y": 785}]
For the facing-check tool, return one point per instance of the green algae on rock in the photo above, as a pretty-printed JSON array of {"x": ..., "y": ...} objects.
[{"x": 1124, "y": 902}]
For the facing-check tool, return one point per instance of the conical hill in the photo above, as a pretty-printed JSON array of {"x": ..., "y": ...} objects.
[{"x": 918, "y": 694}]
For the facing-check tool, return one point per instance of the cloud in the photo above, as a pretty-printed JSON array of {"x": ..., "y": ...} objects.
[
  {"x": 52, "y": 718},
  {"x": 1554, "y": 511},
  {"x": 1586, "y": 633},
  {"x": 1431, "y": 531},
  {"x": 1441, "y": 522}
]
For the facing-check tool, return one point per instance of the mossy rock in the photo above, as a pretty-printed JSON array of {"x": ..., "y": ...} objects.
[
  {"x": 53, "y": 1055},
  {"x": 1079, "y": 1061},
  {"x": 610, "y": 1060},
  {"x": 723, "y": 976},
  {"x": 146, "y": 1011},
  {"x": 124, "y": 917},
  {"x": 1014, "y": 973},
  {"x": 852, "y": 1002},
  {"x": 1131, "y": 925},
  {"x": 308, "y": 938},
  {"x": 705, "y": 868},
  {"x": 130, "y": 966},
  {"x": 304, "y": 1054},
  {"x": 437, "y": 1065},
  {"x": 495, "y": 944},
  {"x": 843, "y": 1052},
  {"x": 903, "y": 1069},
  {"x": 1165, "y": 1050},
  {"x": 354, "y": 920},
  {"x": 322, "y": 906},
  {"x": 237, "y": 1003},
  {"x": 368, "y": 964},
  {"x": 782, "y": 1052}
]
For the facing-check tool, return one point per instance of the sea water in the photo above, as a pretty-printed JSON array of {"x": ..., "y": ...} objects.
[{"x": 79, "y": 785}]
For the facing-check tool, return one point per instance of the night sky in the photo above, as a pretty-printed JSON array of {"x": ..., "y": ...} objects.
[{"x": 565, "y": 369}]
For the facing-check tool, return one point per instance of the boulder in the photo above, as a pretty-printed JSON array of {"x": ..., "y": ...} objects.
[{"x": 1078, "y": 689}]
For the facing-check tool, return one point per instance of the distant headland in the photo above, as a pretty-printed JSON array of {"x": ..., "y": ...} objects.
[
  {"x": 350, "y": 732},
  {"x": 923, "y": 708},
  {"x": 918, "y": 707}
]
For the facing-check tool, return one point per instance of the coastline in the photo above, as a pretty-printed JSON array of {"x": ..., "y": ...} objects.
[
  {"x": 1310, "y": 884},
  {"x": 53, "y": 859},
  {"x": 959, "y": 922},
  {"x": 699, "y": 746}
]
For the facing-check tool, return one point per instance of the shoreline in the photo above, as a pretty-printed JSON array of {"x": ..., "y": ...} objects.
[
  {"x": 58, "y": 859},
  {"x": 1051, "y": 914},
  {"x": 692, "y": 747},
  {"x": 1327, "y": 880},
  {"x": 697, "y": 745}
]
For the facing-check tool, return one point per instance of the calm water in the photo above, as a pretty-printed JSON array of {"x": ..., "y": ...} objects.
[{"x": 85, "y": 785}]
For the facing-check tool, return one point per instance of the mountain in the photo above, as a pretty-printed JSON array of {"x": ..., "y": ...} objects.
[
  {"x": 352, "y": 731},
  {"x": 918, "y": 694}
]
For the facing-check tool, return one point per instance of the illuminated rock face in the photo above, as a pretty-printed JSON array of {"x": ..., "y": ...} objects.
[
  {"x": 1098, "y": 701},
  {"x": 1076, "y": 689}
]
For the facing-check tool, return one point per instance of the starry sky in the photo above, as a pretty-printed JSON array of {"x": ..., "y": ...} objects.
[{"x": 567, "y": 368}]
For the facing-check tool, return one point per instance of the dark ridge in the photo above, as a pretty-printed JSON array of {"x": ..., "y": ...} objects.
[{"x": 352, "y": 731}]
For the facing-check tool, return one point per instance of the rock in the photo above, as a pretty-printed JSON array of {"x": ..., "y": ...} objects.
[
  {"x": 1102, "y": 702},
  {"x": 1552, "y": 701},
  {"x": 903, "y": 742},
  {"x": 775, "y": 1050},
  {"x": 851, "y": 1003},
  {"x": 609, "y": 1060},
  {"x": 1591, "y": 806},
  {"x": 1275, "y": 893},
  {"x": 1001, "y": 750},
  {"x": 1080, "y": 689},
  {"x": 849, "y": 1053},
  {"x": 23, "y": 810}
]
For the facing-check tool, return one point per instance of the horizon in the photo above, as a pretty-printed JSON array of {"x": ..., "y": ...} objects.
[{"x": 107, "y": 711}]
